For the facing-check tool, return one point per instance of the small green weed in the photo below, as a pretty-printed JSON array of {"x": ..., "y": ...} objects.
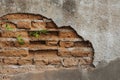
[
  {"x": 20, "y": 40},
  {"x": 37, "y": 33},
  {"x": 7, "y": 27}
]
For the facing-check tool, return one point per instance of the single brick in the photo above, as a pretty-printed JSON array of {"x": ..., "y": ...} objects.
[
  {"x": 54, "y": 61},
  {"x": 44, "y": 54},
  {"x": 8, "y": 44},
  {"x": 14, "y": 34},
  {"x": 51, "y": 25},
  {"x": 64, "y": 52},
  {"x": 14, "y": 52},
  {"x": 70, "y": 62},
  {"x": 7, "y": 26},
  {"x": 85, "y": 61},
  {"x": 52, "y": 43},
  {"x": 17, "y": 44},
  {"x": 41, "y": 61},
  {"x": 10, "y": 60},
  {"x": 83, "y": 44},
  {"x": 24, "y": 25},
  {"x": 25, "y": 61},
  {"x": 38, "y": 25},
  {"x": 66, "y": 44},
  {"x": 81, "y": 52},
  {"x": 69, "y": 34}
]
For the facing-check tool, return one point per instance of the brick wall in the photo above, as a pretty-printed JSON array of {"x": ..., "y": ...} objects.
[{"x": 31, "y": 42}]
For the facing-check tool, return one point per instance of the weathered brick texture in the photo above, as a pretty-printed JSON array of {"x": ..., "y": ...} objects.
[{"x": 22, "y": 44}]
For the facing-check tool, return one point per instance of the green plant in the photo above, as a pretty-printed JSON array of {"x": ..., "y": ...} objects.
[
  {"x": 7, "y": 27},
  {"x": 37, "y": 33},
  {"x": 43, "y": 31},
  {"x": 20, "y": 40}
]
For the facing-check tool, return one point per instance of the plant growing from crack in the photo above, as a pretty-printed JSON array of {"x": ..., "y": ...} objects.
[
  {"x": 7, "y": 27},
  {"x": 20, "y": 40},
  {"x": 36, "y": 34}
]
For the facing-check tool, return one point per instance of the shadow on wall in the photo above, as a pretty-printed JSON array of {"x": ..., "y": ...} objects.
[{"x": 108, "y": 72}]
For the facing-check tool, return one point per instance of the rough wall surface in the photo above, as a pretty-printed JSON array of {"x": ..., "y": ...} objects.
[
  {"x": 34, "y": 41},
  {"x": 96, "y": 20},
  {"x": 106, "y": 72}
]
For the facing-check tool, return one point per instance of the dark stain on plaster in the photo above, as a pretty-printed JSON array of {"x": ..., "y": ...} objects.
[
  {"x": 55, "y": 1},
  {"x": 69, "y": 6}
]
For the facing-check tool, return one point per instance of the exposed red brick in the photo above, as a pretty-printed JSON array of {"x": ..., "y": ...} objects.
[
  {"x": 6, "y": 25},
  {"x": 14, "y": 53},
  {"x": 51, "y": 25},
  {"x": 59, "y": 47},
  {"x": 38, "y": 25},
  {"x": 83, "y": 44},
  {"x": 52, "y": 43},
  {"x": 66, "y": 44},
  {"x": 9, "y": 44},
  {"x": 24, "y": 25},
  {"x": 14, "y": 34},
  {"x": 11, "y": 60},
  {"x": 85, "y": 61},
  {"x": 64, "y": 52},
  {"x": 1, "y": 61},
  {"x": 81, "y": 52},
  {"x": 54, "y": 61},
  {"x": 41, "y": 62},
  {"x": 71, "y": 34},
  {"x": 46, "y": 57},
  {"x": 44, "y": 54},
  {"x": 69, "y": 62},
  {"x": 25, "y": 61}
]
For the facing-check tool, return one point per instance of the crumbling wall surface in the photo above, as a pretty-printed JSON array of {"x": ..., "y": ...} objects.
[
  {"x": 96, "y": 20},
  {"x": 34, "y": 43}
]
